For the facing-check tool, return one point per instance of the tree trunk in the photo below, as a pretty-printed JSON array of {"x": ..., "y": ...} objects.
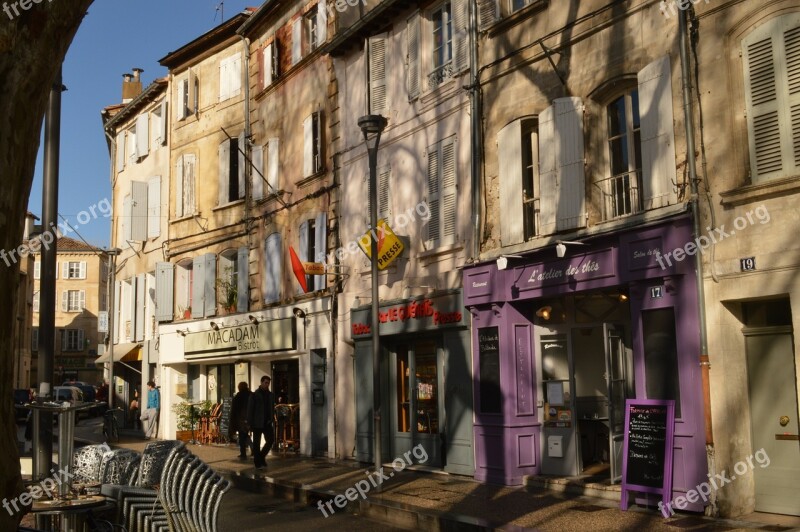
[{"x": 32, "y": 47}]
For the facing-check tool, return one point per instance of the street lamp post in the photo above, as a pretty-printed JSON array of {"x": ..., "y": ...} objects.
[{"x": 372, "y": 126}]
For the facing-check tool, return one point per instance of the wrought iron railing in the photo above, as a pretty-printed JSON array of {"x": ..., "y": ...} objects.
[{"x": 620, "y": 194}]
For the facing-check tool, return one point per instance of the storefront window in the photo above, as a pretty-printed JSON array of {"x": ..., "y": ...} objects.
[
  {"x": 193, "y": 380},
  {"x": 403, "y": 394},
  {"x": 661, "y": 356},
  {"x": 427, "y": 390},
  {"x": 489, "y": 361}
]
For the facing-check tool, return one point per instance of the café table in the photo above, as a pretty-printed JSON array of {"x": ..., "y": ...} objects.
[{"x": 72, "y": 512}]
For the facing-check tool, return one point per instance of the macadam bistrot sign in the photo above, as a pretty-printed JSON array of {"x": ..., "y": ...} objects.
[{"x": 266, "y": 336}]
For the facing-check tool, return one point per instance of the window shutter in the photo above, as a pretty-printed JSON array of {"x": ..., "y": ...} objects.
[
  {"x": 117, "y": 296},
  {"x": 179, "y": 187},
  {"x": 133, "y": 145},
  {"x": 224, "y": 79},
  {"x": 318, "y": 146},
  {"x": 308, "y": 146},
  {"x": 384, "y": 192},
  {"x": 82, "y": 270},
  {"x": 198, "y": 285},
  {"x": 142, "y": 135},
  {"x": 434, "y": 203},
  {"x": 297, "y": 40},
  {"x": 267, "y": 64},
  {"x": 192, "y": 93},
  {"x": 302, "y": 247},
  {"x": 81, "y": 341},
  {"x": 138, "y": 211},
  {"x": 377, "y": 74},
  {"x": 273, "y": 262},
  {"x": 235, "y": 76},
  {"x": 262, "y": 68},
  {"x": 276, "y": 59},
  {"x": 36, "y": 301},
  {"x": 658, "y": 140},
  {"x": 448, "y": 190},
  {"x": 210, "y": 285},
  {"x": 164, "y": 122},
  {"x": 243, "y": 279},
  {"x": 224, "y": 171},
  {"x": 190, "y": 162},
  {"x": 273, "y": 163},
  {"x": 81, "y": 300},
  {"x": 509, "y": 155},
  {"x": 37, "y": 270},
  {"x": 571, "y": 210},
  {"x": 488, "y": 13},
  {"x": 65, "y": 270},
  {"x": 141, "y": 302},
  {"x": 242, "y": 166},
  {"x": 65, "y": 301},
  {"x": 412, "y": 73},
  {"x": 154, "y": 207},
  {"x": 548, "y": 171},
  {"x": 120, "y": 147},
  {"x": 126, "y": 218},
  {"x": 257, "y": 172},
  {"x": 183, "y": 89},
  {"x": 321, "y": 245},
  {"x": 322, "y": 23},
  {"x": 165, "y": 281},
  {"x": 460, "y": 10}
]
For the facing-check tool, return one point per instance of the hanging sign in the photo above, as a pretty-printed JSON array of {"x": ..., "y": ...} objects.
[{"x": 389, "y": 246}]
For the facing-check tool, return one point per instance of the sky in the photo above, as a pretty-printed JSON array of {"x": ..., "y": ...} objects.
[{"x": 115, "y": 37}]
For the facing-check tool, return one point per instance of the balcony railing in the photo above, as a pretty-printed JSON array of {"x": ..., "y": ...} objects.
[
  {"x": 620, "y": 195},
  {"x": 439, "y": 75}
]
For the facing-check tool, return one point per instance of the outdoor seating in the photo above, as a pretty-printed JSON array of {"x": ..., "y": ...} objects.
[
  {"x": 119, "y": 466},
  {"x": 86, "y": 463}
]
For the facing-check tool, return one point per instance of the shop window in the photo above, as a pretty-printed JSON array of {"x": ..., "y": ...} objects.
[
  {"x": 661, "y": 356},
  {"x": 193, "y": 380},
  {"x": 427, "y": 389},
  {"x": 403, "y": 392}
]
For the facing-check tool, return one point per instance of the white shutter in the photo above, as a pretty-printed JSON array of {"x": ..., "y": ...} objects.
[
  {"x": 82, "y": 270},
  {"x": 120, "y": 147},
  {"x": 302, "y": 247},
  {"x": 322, "y": 22},
  {"x": 235, "y": 76},
  {"x": 138, "y": 211},
  {"x": 308, "y": 146},
  {"x": 460, "y": 25},
  {"x": 273, "y": 262},
  {"x": 183, "y": 87},
  {"x": 488, "y": 13},
  {"x": 224, "y": 81},
  {"x": 37, "y": 269},
  {"x": 448, "y": 190},
  {"x": 81, "y": 300},
  {"x": 548, "y": 171},
  {"x": 140, "y": 299},
  {"x": 267, "y": 66},
  {"x": 224, "y": 171},
  {"x": 142, "y": 135},
  {"x": 297, "y": 40},
  {"x": 413, "y": 43},
  {"x": 65, "y": 301},
  {"x": 242, "y": 166},
  {"x": 658, "y": 140},
  {"x": 179, "y": 187},
  {"x": 384, "y": 192},
  {"x": 320, "y": 245},
  {"x": 165, "y": 281},
  {"x": 571, "y": 212},
  {"x": 154, "y": 207},
  {"x": 377, "y": 74},
  {"x": 193, "y": 96},
  {"x": 190, "y": 164},
  {"x": 434, "y": 201},
  {"x": 65, "y": 270},
  {"x": 243, "y": 279},
  {"x": 126, "y": 221},
  {"x": 164, "y": 122},
  {"x": 509, "y": 156},
  {"x": 257, "y": 172},
  {"x": 273, "y": 164},
  {"x": 198, "y": 286},
  {"x": 210, "y": 285},
  {"x": 36, "y": 297},
  {"x": 150, "y": 307},
  {"x": 133, "y": 147}
]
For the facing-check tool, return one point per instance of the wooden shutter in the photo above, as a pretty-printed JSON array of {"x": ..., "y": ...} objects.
[
  {"x": 261, "y": 67},
  {"x": 322, "y": 23},
  {"x": 142, "y": 135},
  {"x": 190, "y": 164},
  {"x": 65, "y": 301},
  {"x": 120, "y": 151},
  {"x": 82, "y": 270},
  {"x": 308, "y": 146},
  {"x": 273, "y": 162},
  {"x": 210, "y": 285},
  {"x": 37, "y": 269},
  {"x": 81, "y": 300},
  {"x": 377, "y": 73},
  {"x": 571, "y": 210},
  {"x": 488, "y": 13},
  {"x": 127, "y": 206},
  {"x": 448, "y": 190},
  {"x": 413, "y": 43},
  {"x": 242, "y": 166},
  {"x": 179, "y": 187},
  {"x": 658, "y": 139},
  {"x": 257, "y": 172},
  {"x": 192, "y": 104},
  {"x": 235, "y": 76},
  {"x": 434, "y": 202},
  {"x": 243, "y": 279},
  {"x": 384, "y": 192},
  {"x": 224, "y": 79},
  {"x": 321, "y": 245},
  {"x": 297, "y": 40},
  {"x": 65, "y": 270},
  {"x": 224, "y": 172},
  {"x": 302, "y": 248},
  {"x": 138, "y": 211},
  {"x": 460, "y": 25},
  {"x": 164, "y": 122},
  {"x": 183, "y": 89},
  {"x": 273, "y": 273},
  {"x": 548, "y": 171},
  {"x": 266, "y": 65},
  {"x": 154, "y": 207},
  {"x": 276, "y": 59},
  {"x": 198, "y": 286},
  {"x": 165, "y": 282},
  {"x": 141, "y": 291},
  {"x": 36, "y": 297},
  {"x": 509, "y": 156}
]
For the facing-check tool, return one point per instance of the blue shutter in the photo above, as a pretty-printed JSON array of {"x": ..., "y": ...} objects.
[
  {"x": 272, "y": 273},
  {"x": 210, "y": 285},
  {"x": 320, "y": 244},
  {"x": 165, "y": 281},
  {"x": 243, "y": 279}
]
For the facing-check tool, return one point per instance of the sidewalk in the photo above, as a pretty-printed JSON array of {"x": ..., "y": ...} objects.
[{"x": 433, "y": 500}]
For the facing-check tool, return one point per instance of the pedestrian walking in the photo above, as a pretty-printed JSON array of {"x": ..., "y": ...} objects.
[
  {"x": 260, "y": 420},
  {"x": 150, "y": 414},
  {"x": 239, "y": 420}
]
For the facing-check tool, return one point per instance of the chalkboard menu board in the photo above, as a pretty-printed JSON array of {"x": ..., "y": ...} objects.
[
  {"x": 647, "y": 454},
  {"x": 225, "y": 417},
  {"x": 489, "y": 364}
]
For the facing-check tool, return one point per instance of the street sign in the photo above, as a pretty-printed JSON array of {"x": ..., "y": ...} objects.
[
  {"x": 102, "y": 321},
  {"x": 389, "y": 246},
  {"x": 314, "y": 268}
]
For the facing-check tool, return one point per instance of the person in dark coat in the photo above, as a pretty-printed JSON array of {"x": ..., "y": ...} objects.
[
  {"x": 239, "y": 419},
  {"x": 260, "y": 408}
]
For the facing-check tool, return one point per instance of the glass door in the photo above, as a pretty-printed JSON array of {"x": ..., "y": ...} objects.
[
  {"x": 417, "y": 389},
  {"x": 616, "y": 375}
]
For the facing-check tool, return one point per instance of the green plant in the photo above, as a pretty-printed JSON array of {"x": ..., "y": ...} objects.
[
  {"x": 228, "y": 287},
  {"x": 184, "y": 412}
]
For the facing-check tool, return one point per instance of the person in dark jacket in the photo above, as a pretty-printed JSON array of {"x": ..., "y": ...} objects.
[
  {"x": 239, "y": 419},
  {"x": 260, "y": 408}
]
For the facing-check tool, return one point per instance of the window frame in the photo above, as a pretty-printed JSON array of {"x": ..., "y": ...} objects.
[
  {"x": 631, "y": 192},
  {"x": 434, "y": 67}
]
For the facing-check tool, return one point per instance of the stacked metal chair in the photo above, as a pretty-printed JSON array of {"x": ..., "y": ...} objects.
[
  {"x": 119, "y": 467},
  {"x": 86, "y": 463}
]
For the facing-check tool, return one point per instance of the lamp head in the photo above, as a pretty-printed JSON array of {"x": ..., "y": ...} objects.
[
  {"x": 502, "y": 263},
  {"x": 544, "y": 312},
  {"x": 372, "y": 124},
  {"x": 215, "y": 326},
  {"x": 299, "y": 313},
  {"x": 252, "y": 318},
  {"x": 561, "y": 250}
]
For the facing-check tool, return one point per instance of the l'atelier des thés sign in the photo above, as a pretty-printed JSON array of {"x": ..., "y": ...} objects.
[{"x": 266, "y": 336}]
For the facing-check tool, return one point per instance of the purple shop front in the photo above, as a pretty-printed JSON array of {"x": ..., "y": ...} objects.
[{"x": 561, "y": 343}]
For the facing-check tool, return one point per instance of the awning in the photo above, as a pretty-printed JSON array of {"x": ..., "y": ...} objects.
[{"x": 122, "y": 353}]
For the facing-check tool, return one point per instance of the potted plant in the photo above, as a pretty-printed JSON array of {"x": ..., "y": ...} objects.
[
  {"x": 228, "y": 290},
  {"x": 185, "y": 312},
  {"x": 183, "y": 411}
]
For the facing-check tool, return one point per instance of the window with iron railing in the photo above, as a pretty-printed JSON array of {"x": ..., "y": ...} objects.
[
  {"x": 530, "y": 179},
  {"x": 620, "y": 191}
]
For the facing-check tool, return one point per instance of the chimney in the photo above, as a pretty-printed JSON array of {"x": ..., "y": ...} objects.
[
  {"x": 30, "y": 224},
  {"x": 131, "y": 85}
]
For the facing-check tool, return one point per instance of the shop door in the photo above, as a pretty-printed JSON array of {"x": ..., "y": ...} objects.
[
  {"x": 559, "y": 445},
  {"x": 772, "y": 384},
  {"x": 617, "y": 363},
  {"x": 286, "y": 394}
]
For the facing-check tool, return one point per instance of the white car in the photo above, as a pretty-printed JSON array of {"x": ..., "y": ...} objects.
[{"x": 73, "y": 394}]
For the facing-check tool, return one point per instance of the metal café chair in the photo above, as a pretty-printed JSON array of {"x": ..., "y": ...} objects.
[{"x": 86, "y": 463}]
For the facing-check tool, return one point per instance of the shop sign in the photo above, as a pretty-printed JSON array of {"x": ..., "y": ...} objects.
[
  {"x": 72, "y": 362},
  {"x": 411, "y": 316},
  {"x": 389, "y": 246},
  {"x": 575, "y": 269},
  {"x": 264, "y": 337}
]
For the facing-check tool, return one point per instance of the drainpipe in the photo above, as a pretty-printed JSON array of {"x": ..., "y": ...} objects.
[
  {"x": 688, "y": 115},
  {"x": 476, "y": 113},
  {"x": 246, "y": 147}
]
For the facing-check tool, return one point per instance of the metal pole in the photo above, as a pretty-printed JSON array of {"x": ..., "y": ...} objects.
[
  {"x": 376, "y": 362},
  {"x": 112, "y": 272}
]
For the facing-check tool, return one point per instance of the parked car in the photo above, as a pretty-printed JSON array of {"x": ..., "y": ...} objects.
[
  {"x": 73, "y": 394},
  {"x": 21, "y": 396}
]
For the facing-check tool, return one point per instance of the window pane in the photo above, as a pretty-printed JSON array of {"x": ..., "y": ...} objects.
[
  {"x": 403, "y": 394},
  {"x": 427, "y": 380},
  {"x": 616, "y": 117},
  {"x": 635, "y": 108},
  {"x": 619, "y": 155}
]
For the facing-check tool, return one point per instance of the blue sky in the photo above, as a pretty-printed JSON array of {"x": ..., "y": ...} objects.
[{"x": 116, "y": 36}]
